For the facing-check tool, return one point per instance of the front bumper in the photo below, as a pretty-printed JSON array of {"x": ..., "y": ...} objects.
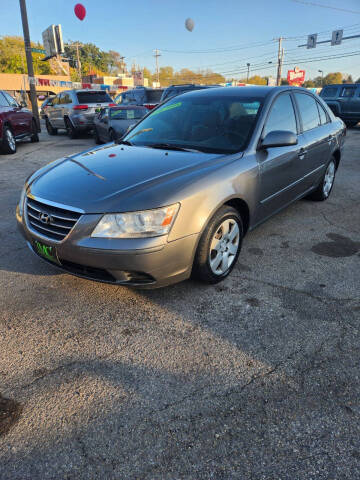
[{"x": 143, "y": 263}]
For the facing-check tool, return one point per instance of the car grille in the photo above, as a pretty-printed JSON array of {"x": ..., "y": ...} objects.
[{"x": 49, "y": 221}]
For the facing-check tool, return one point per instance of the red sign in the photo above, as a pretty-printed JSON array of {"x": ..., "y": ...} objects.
[{"x": 296, "y": 77}]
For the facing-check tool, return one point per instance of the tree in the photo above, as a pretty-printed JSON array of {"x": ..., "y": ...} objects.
[
  {"x": 148, "y": 75},
  {"x": 333, "y": 78},
  {"x": 257, "y": 80},
  {"x": 309, "y": 84},
  {"x": 347, "y": 79},
  {"x": 13, "y": 60}
]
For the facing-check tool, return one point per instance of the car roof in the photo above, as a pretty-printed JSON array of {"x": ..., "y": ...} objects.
[
  {"x": 243, "y": 92},
  {"x": 342, "y": 85}
]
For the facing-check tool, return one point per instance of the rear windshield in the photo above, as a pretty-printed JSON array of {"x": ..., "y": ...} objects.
[
  {"x": 128, "y": 113},
  {"x": 94, "y": 97},
  {"x": 154, "y": 96},
  {"x": 329, "y": 92}
]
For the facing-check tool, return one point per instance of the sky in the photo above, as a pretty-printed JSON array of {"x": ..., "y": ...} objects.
[{"x": 228, "y": 34}]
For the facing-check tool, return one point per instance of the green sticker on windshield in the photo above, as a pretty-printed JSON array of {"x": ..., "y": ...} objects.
[{"x": 169, "y": 107}]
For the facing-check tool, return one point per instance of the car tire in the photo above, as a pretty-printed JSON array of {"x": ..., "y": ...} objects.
[
  {"x": 70, "y": 129},
  {"x": 50, "y": 129},
  {"x": 219, "y": 246},
  {"x": 34, "y": 136},
  {"x": 326, "y": 184},
  {"x": 96, "y": 137},
  {"x": 112, "y": 135},
  {"x": 8, "y": 144}
]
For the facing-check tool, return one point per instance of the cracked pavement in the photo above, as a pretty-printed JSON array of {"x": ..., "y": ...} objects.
[{"x": 254, "y": 378}]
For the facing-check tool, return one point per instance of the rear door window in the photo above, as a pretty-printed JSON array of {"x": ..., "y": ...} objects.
[
  {"x": 308, "y": 111},
  {"x": 93, "y": 97},
  {"x": 282, "y": 115},
  {"x": 347, "y": 92},
  {"x": 323, "y": 117}
]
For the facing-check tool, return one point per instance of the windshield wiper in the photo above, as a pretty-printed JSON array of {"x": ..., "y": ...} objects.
[
  {"x": 169, "y": 146},
  {"x": 124, "y": 142}
]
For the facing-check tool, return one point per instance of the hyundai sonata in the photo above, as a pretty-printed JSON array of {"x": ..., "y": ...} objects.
[{"x": 179, "y": 191}]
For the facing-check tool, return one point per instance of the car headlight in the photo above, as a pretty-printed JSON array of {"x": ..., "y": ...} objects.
[{"x": 146, "y": 223}]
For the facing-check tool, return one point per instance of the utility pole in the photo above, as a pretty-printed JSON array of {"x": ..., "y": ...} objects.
[
  {"x": 248, "y": 71},
  {"x": 157, "y": 54},
  {"x": 280, "y": 61},
  {"x": 78, "y": 63},
  {"x": 29, "y": 62}
]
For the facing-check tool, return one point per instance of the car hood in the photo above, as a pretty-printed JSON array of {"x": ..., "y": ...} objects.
[{"x": 99, "y": 179}]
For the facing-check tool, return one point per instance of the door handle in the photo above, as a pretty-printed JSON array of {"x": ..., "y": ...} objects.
[{"x": 301, "y": 153}]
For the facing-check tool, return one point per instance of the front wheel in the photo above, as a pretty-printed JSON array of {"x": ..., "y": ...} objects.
[
  {"x": 219, "y": 246},
  {"x": 326, "y": 184}
]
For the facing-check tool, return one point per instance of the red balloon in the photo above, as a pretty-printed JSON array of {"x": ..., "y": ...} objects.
[{"x": 80, "y": 11}]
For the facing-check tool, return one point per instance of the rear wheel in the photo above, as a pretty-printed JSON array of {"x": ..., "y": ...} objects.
[
  {"x": 112, "y": 135},
  {"x": 34, "y": 136},
  {"x": 327, "y": 182},
  {"x": 219, "y": 246},
  {"x": 96, "y": 137},
  {"x": 50, "y": 129},
  {"x": 8, "y": 144},
  {"x": 70, "y": 129}
]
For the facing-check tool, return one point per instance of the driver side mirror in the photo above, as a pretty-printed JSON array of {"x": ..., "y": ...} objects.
[
  {"x": 278, "y": 138},
  {"x": 23, "y": 104}
]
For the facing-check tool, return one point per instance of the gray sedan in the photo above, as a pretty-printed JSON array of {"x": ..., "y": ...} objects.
[
  {"x": 178, "y": 193},
  {"x": 112, "y": 122}
]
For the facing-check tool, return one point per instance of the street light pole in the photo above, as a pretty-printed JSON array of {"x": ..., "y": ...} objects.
[
  {"x": 29, "y": 63},
  {"x": 248, "y": 71},
  {"x": 322, "y": 77}
]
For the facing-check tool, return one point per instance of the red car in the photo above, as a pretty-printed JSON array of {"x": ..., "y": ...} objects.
[{"x": 16, "y": 122}]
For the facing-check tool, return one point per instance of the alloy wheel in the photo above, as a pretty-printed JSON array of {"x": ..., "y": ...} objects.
[
  {"x": 224, "y": 246},
  {"x": 10, "y": 139},
  {"x": 329, "y": 179}
]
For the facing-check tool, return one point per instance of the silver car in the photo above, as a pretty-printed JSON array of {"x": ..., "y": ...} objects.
[
  {"x": 75, "y": 110},
  {"x": 177, "y": 195},
  {"x": 113, "y": 122}
]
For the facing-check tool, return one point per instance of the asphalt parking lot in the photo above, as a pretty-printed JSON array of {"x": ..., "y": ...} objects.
[{"x": 255, "y": 378}]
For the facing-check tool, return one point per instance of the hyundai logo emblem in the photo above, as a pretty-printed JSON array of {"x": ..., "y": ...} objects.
[{"x": 44, "y": 218}]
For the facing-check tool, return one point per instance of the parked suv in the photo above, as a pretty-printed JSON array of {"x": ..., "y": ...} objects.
[
  {"x": 344, "y": 101},
  {"x": 147, "y": 97},
  {"x": 74, "y": 110},
  {"x": 174, "y": 90},
  {"x": 16, "y": 122}
]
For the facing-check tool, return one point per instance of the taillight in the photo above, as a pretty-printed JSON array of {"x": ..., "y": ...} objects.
[
  {"x": 80, "y": 107},
  {"x": 113, "y": 105}
]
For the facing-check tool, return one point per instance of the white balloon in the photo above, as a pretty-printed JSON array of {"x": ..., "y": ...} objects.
[{"x": 189, "y": 24}]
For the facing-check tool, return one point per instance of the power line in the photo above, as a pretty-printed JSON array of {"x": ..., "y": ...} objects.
[{"x": 314, "y": 4}]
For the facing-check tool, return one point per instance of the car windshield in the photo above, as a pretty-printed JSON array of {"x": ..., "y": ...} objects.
[
  {"x": 93, "y": 97},
  {"x": 128, "y": 113},
  {"x": 219, "y": 124}
]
